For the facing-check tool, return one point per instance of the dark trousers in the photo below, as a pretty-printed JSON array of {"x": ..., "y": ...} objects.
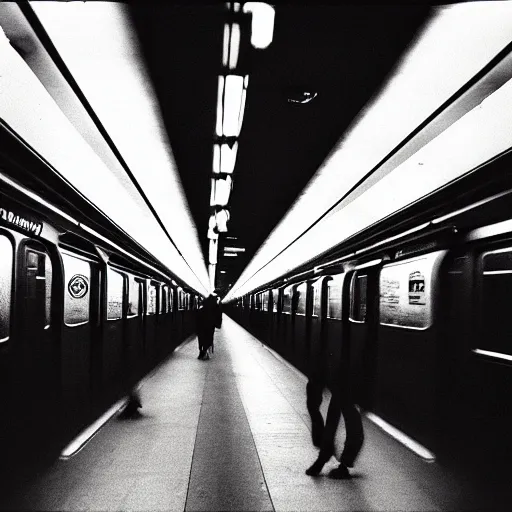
[
  {"x": 205, "y": 339},
  {"x": 340, "y": 404}
]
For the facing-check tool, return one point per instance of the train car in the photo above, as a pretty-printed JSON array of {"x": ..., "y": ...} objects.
[
  {"x": 81, "y": 321},
  {"x": 419, "y": 324}
]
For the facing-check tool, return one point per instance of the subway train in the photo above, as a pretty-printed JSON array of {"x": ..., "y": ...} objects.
[
  {"x": 83, "y": 315},
  {"x": 416, "y": 315}
]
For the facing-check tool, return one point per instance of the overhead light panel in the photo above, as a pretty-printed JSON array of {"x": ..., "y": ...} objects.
[
  {"x": 222, "y": 191},
  {"x": 222, "y": 218},
  {"x": 234, "y": 249},
  {"x": 212, "y": 255},
  {"x": 225, "y": 48},
  {"x": 233, "y": 94},
  {"x": 234, "y": 45},
  {"x": 220, "y": 106},
  {"x": 228, "y": 158},
  {"x": 262, "y": 27}
]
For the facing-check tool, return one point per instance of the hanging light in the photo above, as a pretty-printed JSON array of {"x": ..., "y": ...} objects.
[
  {"x": 262, "y": 26},
  {"x": 228, "y": 158},
  {"x": 222, "y": 218}
]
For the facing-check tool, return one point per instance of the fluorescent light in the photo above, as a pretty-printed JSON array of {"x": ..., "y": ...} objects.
[
  {"x": 222, "y": 271},
  {"x": 212, "y": 234},
  {"x": 234, "y": 249},
  {"x": 222, "y": 218},
  {"x": 216, "y": 158},
  {"x": 220, "y": 106},
  {"x": 211, "y": 272},
  {"x": 222, "y": 191},
  {"x": 262, "y": 27},
  {"x": 246, "y": 81},
  {"x": 228, "y": 158},
  {"x": 212, "y": 254},
  {"x": 212, "y": 192},
  {"x": 242, "y": 110},
  {"x": 230, "y": 254},
  {"x": 212, "y": 222},
  {"x": 234, "y": 87},
  {"x": 234, "y": 46},
  {"x": 225, "y": 48}
]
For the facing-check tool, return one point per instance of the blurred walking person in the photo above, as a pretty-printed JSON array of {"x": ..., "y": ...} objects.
[{"x": 209, "y": 316}]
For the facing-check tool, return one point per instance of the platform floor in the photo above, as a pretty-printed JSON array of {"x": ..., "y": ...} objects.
[{"x": 232, "y": 433}]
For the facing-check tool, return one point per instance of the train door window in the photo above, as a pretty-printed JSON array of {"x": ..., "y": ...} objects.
[
  {"x": 334, "y": 297},
  {"x": 133, "y": 297},
  {"x": 300, "y": 294},
  {"x": 164, "y": 301},
  {"x": 406, "y": 292},
  {"x": 287, "y": 300},
  {"x": 6, "y": 267},
  {"x": 265, "y": 301},
  {"x": 38, "y": 269},
  {"x": 151, "y": 310},
  {"x": 77, "y": 277},
  {"x": 495, "y": 302},
  {"x": 180, "y": 299},
  {"x": 115, "y": 282},
  {"x": 171, "y": 299},
  {"x": 317, "y": 297},
  {"x": 358, "y": 297},
  {"x": 275, "y": 299}
]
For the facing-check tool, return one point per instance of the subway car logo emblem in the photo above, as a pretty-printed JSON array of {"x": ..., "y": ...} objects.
[
  {"x": 78, "y": 286},
  {"x": 21, "y": 222}
]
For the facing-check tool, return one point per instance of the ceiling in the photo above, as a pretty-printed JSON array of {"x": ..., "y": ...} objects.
[{"x": 344, "y": 53}]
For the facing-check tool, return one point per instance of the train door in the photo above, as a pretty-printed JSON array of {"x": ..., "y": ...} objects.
[
  {"x": 285, "y": 346},
  {"x": 134, "y": 349},
  {"x": 150, "y": 323},
  {"x": 113, "y": 338},
  {"x": 315, "y": 341},
  {"x": 274, "y": 316},
  {"x": 38, "y": 366},
  {"x": 362, "y": 333},
  {"x": 80, "y": 354},
  {"x": 300, "y": 326},
  {"x": 407, "y": 371},
  {"x": 332, "y": 336}
]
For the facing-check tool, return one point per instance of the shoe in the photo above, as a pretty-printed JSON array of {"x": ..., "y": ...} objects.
[
  {"x": 340, "y": 473},
  {"x": 315, "y": 469},
  {"x": 201, "y": 355}
]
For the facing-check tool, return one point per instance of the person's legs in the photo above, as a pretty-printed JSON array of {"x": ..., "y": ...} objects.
[
  {"x": 354, "y": 437},
  {"x": 314, "y": 396},
  {"x": 327, "y": 444}
]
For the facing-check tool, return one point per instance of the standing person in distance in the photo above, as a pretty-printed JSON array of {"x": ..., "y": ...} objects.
[{"x": 208, "y": 317}]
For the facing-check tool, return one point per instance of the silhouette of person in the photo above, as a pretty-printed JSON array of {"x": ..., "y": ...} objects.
[
  {"x": 321, "y": 376},
  {"x": 209, "y": 316}
]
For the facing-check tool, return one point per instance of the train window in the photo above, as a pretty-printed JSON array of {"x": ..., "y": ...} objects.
[
  {"x": 300, "y": 294},
  {"x": 287, "y": 300},
  {"x": 334, "y": 297},
  {"x": 115, "y": 283},
  {"x": 495, "y": 301},
  {"x": 151, "y": 310},
  {"x": 77, "y": 276},
  {"x": 133, "y": 297},
  {"x": 6, "y": 264},
  {"x": 358, "y": 291},
  {"x": 405, "y": 292},
  {"x": 265, "y": 301},
  {"x": 275, "y": 300},
  {"x": 317, "y": 297},
  {"x": 165, "y": 297},
  {"x": 171, "y": 299}
]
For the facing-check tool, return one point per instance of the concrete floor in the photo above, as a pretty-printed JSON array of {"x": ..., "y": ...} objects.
[{"x": 232, "y": 433}]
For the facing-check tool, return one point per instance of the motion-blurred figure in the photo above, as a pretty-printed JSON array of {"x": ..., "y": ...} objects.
[
  {"x": 209, "y": 316},
  {"x": 321, "y": 377}
]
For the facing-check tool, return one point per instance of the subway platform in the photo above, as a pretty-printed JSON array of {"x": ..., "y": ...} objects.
[{"x": 233, "y": 433}]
